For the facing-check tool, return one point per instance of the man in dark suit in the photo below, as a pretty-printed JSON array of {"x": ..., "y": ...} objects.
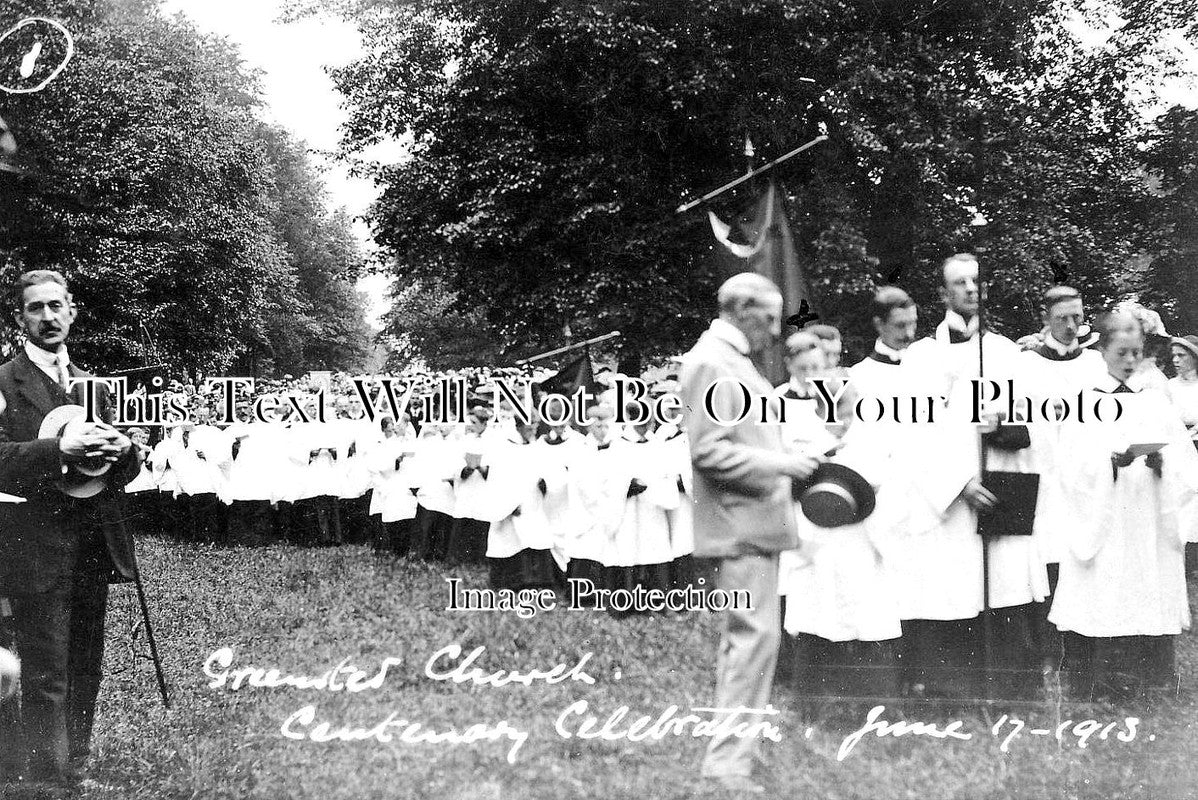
[
  {"x": 58, "y": 553},
  {"x": 744, "y": 515}
]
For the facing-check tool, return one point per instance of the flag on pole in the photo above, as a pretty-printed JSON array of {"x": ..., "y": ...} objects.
[
  {"x": 766, "y": 247},
  {"x": 578, "y": 372}
]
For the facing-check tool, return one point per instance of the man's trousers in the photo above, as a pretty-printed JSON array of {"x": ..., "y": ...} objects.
[
  {"x": 60, "y": 641},
  {"x": 747, "y": 657}
]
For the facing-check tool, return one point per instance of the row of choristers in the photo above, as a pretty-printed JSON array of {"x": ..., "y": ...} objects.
[
  {"x": 610, "y": 505},
  {"x": 1094, "y": 589}
]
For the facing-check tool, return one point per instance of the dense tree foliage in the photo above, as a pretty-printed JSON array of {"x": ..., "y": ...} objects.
[
  {"x": 1172, "y": 277},
  {"x": 553, "y": 140},
  {"x": 151, "y": 183}
]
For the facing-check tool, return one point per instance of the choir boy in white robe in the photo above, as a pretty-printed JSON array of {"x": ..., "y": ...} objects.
[
  {"x": 1056, "y": 366},
  {"x": 202, "y": 464},
  {"x": 522, "y": 549},
  {"x": 940, "y": 574},
  {"x": 597, "y": 490},
  {"x": 642, "y": 550},
  {"x": 258, "y": 452},
  {"x": 436, "y": 461},
  {"x": 557, "y": 449},
  {"x": 473, "y": 507},
  {"x": 141, "y": 493},
  {"x": 393, "y": 487},
  {"x": 840, "y": 605},
  {"x": 314, "y": 447},
  {"x": 358, "y": 438},
  {"x": 1121, "y": 597}
]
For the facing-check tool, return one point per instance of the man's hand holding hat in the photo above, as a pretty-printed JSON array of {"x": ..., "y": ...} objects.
[{"x": 85, "y": 440}]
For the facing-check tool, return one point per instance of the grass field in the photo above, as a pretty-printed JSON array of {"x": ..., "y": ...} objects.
[{"x": 304, "y": 611}]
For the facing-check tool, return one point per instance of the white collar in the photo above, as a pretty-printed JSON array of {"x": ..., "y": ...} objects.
[
  {"x": 46, "y": 360},
  {"x": 958, "y": 323},
  {"x": 1058, "y": 348},
  {"x": 725, "y": 330},
  {"x": 799, "y": 389},
  {"x": 1109, "y": 383},
  {"x": 629, "y": 434},
  {"x": 881, "y": 348}
]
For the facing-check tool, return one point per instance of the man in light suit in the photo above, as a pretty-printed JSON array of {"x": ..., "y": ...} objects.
[
  {"x": 743, "y": 510},
  {"x": 57, "y": 552}
]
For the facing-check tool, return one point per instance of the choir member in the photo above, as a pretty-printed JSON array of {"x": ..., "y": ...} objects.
[
  {"x": 1122, "y": 593},
  {"x": 839, "y": 601},
  {"x": 941, "y": 584},
  {"x": 472, "y": 506},
  {"x": 522, "y": 549}
]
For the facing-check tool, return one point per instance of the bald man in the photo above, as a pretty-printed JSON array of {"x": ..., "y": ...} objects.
[{"x": 743, "y": 511}]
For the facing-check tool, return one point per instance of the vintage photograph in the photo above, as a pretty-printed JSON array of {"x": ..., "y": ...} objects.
[{"x": 539, "y": 399}]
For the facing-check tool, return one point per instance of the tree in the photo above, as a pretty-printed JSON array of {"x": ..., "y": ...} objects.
[
  {"x": 319, "y": 323},
  {"x": 552, "y": 141},
  {"x": 152, "y": 185},
  {"x": 1172, "y": 160}
]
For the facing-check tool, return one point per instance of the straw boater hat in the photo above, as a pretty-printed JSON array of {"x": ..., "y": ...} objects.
[
  {"x": 834, "y": 495},
  {"x": 1190, "y": 343},
  {"x": 85, "y": 478}
]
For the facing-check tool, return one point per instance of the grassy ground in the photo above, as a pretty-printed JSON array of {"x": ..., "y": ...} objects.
[{"x": 303, "y": 611}]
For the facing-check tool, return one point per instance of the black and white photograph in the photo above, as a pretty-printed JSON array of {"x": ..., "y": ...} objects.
[{"x": 543, "y": 399}]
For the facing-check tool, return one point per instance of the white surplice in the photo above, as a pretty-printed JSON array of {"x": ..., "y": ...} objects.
[
  {"x": 835, "y": 583},
  {"x": 1123, "y": 573},
  {"x": 939, "y": 568}
]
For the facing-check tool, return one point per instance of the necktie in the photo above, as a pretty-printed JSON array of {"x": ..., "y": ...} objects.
[
  {"x": 1122, "y": 388},
  {"x": 64, "y": 376}
]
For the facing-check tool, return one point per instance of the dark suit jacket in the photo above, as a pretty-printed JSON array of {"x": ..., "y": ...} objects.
[{"x": 47, "y": 540}]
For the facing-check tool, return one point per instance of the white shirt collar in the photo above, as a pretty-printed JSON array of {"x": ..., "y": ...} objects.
[
  {"x": 882, "y": 348},
  {"x": 731, "y": 334},
  {"x": 46, "y": 361},
  {"x": 1058, "y": 348}
]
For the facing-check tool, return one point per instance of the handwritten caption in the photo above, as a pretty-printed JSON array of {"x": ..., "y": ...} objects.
[
  {"x": 1007, "y": 728},
  {"x": 447, "y": 665},
  {"x": 43, "y": 31},
  {"x": 578, "y": 720}
]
